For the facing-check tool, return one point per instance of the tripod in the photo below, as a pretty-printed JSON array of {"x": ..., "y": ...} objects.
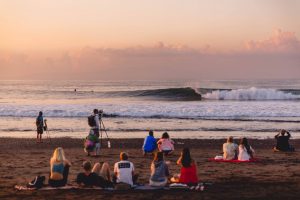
[
  {"x": 47, "y": 130},
  {"x": 103, "y": 129}
]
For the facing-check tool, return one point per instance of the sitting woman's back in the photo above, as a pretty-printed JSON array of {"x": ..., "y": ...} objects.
[
  {"x": 188, "y": 171},
  {"x": 245, "y": 150},
  {"x": 159, "y": 171},
  {"x": 229, "y": 149},
  {"x": 59, "y": 168}
]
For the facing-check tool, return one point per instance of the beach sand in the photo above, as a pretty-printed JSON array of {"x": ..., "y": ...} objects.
[{"x": 276, "y": 176}]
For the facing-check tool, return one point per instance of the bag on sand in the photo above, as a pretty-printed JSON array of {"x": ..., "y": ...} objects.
[
  {"x": 91, "y": 121},
  {"x": 37, "y": 182}
]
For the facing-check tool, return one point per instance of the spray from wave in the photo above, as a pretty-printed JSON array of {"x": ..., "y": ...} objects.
[{"x": 250, "y": 94}]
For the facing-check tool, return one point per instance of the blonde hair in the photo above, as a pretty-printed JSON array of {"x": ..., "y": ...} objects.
[
  {"x": 58, "y": 155},
  {"x": 230, "y": 139}
]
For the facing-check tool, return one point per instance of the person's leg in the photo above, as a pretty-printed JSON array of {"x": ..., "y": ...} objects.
[
  {"x": 96, "y": 169},
  {"x": 105, "y": 173},
  {"x": 37, "y": 137},
  {"x": 97, "y": 149}
]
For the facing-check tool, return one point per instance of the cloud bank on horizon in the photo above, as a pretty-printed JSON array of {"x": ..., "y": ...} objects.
[{"x": 277, "y": 56}]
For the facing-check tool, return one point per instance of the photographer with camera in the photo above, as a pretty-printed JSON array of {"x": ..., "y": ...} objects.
[
  {"x": 94, "y": 122},
  {"x": 282, "y": 141}
]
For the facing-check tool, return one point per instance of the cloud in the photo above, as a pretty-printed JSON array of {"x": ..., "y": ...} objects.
[
  {"x": 280, "y": 41},
  {"x": 276, "y": 57}
]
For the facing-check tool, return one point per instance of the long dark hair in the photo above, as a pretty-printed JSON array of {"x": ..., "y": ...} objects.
[
  {"x": 158, "y": 156},
  {"x": 245, "y": 143},
  {"x": 186, "y": 159},
  {"x": 165, "y": 135}
]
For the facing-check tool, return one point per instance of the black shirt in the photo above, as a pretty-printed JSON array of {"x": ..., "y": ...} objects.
[
  {"x": 283, "y": 143},
  {"x": 93, "y": 179},
  {"x": 88, "y": 180}
]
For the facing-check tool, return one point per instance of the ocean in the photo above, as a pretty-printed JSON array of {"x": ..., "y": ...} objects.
[{"x": 204, "y": 109}]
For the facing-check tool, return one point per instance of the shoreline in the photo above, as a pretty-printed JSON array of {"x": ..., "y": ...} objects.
[{"x": 275, "y": 176}]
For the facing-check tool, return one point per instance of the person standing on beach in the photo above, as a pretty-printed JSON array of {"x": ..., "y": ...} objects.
[
  {"x": 39, "y": 127},
  {"x": 94, "y": 122}
]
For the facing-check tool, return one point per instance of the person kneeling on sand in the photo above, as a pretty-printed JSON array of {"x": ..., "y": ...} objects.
[
  {"x": 245, "y": 150},
  {"x": 59, "y": 168},
  {"x": 165, "y": 144},
  {"x": 159, "y": 171},
  {"x": 188, "y": 172},
  {"x": 149, "y": 145},
  {"x": 282, "y": 141},
  {"x": 92, "y": 144},
  {"x": 124, "y": 171},
  {"x": 230, "y": 149},
  {"x": 96, "y": 176}
]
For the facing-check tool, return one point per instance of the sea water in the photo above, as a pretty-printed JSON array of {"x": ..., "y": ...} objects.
[{"x": 203, "y": 109}]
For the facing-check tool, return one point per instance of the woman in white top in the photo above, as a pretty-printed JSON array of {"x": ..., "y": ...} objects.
[
  {"x": 230, "y": 149},
  {"x": 245, "y": 150}
]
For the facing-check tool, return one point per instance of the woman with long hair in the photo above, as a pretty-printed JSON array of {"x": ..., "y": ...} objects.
[
  {"x": 188, "y": 172},
  {"x": 59, "y": 168},
  {"x": 159, "y": 171},
  {"x": 230, "y": 149},
  {"x": 245, "y": 150}
]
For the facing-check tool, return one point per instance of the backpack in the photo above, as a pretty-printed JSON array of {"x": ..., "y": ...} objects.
[
  {"x": 37, "y": 182},
  {"x": 91, "y": 121}
]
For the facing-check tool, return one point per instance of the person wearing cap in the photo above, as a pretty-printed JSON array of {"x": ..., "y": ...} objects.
[
  {"x": 124, "y": 171},
  {"x": 97, "y": 176}
]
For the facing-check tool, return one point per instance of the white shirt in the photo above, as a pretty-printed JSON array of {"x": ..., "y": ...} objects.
[
  {"x": 229, "y": 150},
  {"x": 243, "y": 154},
  {"x": 124, "y": 171}
]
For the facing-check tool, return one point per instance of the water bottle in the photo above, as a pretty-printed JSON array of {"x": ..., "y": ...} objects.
[{"x": 108, "y": 144}]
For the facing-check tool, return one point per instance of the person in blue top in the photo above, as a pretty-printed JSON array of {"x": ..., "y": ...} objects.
[
  {"x": 39, "y": 127},
  {"x": 150, "y": 144}
]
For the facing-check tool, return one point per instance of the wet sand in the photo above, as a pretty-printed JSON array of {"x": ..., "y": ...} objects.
[{"x": 276, "y": 176}]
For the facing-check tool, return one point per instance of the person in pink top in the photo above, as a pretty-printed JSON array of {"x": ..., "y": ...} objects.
[{"x": 165, "y": 144}]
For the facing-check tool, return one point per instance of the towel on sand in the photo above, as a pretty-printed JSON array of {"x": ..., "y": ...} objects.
[{"x": 233, "y": 161}]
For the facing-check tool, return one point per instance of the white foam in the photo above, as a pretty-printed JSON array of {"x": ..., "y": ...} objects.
[{"x": 250, "y": 94}]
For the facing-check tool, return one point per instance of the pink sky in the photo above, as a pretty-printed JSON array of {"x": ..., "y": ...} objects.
[{"x": 142, "y": 39}]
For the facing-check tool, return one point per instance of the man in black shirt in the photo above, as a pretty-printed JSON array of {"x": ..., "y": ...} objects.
[
  {"x": 96, "y": 176},
  {"x": 282, "y": 139}
]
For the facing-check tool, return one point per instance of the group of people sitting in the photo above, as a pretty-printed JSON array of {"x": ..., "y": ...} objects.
[
  {"x": 244, "y": 152},
  {"x": 164, "y": 144},
  {"x": 241, "y": 152},
  {"x": 123, "y": 171}
]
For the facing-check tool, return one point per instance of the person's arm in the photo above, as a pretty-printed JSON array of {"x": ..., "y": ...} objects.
[
  {"x": 152, "y": 168},
  {"x": 288, "y": 134},
  {"x": 277, "y": 135},
  {"x": 67, "y": 162},
  {"x": 132, "y": 169},
  {"x": 144, "y": 143},
  {"x": 179, "y": 161}
]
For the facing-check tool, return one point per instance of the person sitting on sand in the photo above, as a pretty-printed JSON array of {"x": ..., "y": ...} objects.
[
  {"x": 96, "y": 176},
  {"x": 282, "y": 141},
  {"x": 245, "y": 150},
  {"x": 59, "y": 168},
  {"x": 188, "y": 172},
  {"x": 149, "y": 145},
  {"x": 165, "y": 144},
  {"x": 124, "y": 171},
  {"x": 230, "y": 149},
  {"x": 92, "y": 144},
  {"x": 159, "y": 171}
]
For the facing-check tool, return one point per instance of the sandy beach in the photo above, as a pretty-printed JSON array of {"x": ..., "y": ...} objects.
[{"x": 275, "y": 176}]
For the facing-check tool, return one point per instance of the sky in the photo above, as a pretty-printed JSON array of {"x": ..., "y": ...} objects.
[{"x": 143, "y": 39}]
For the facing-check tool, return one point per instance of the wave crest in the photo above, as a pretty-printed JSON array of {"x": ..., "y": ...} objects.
[{"x": 251, "y": 94}]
